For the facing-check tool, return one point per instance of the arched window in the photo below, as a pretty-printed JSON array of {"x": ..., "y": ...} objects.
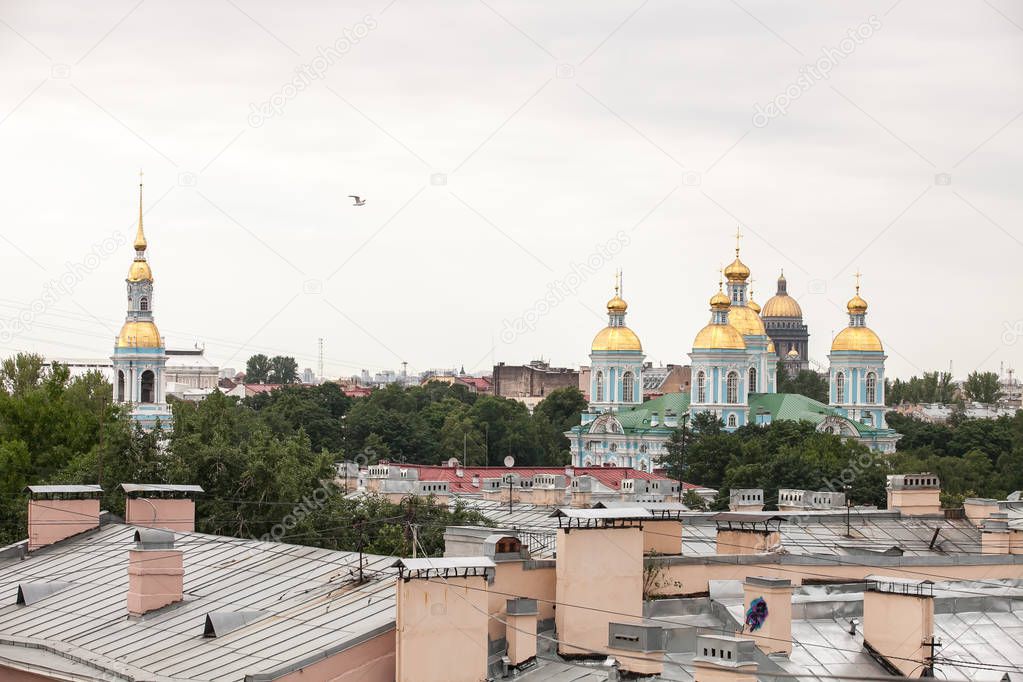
[
  {"x": 613, "y": 447},
  {"x": 732, "y": 388},
  {"x": 120, "y": 386},
  {"x": 701, "y": 387},
  {"x": 840, "y": 388},
  {"x": 627, "y": 388},
  {"x": 871, "y": 388},
  {"x": 752, "y": 379},
  {"x": 148, "y": 386},
  {"x": 600, "y": 387},
  {"x": 732, "y": 421},
  {"x": 143, "y": 303}
]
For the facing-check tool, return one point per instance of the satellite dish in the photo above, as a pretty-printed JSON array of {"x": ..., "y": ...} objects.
[
  {"x": 509, "y": 461},
  {"x": 453, "y": 462}
]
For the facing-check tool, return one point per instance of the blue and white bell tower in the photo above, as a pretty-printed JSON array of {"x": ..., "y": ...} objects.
[
  {"x": 139, "y": 359},
  {"x": 616, "y": 362},
  {"x": 857, "y": 368}
]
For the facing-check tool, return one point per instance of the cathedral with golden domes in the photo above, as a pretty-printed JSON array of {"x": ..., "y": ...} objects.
[
  {"x": 139, "y": 359},
  {"x": 734, "y": 360}
]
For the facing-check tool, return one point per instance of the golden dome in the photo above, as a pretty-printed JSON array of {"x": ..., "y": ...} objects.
[
  {"x": 737, "y": 270},
  {"x": 793, "y": 353},
  {"x": 781, "y": 305},
  {"x": 719, "y": 301},
  {"x": 617, "y": 305},
  {"x": 140, "y": 272},
  {"x": 746, "y": 321},
  {"x": 857, "y": 339},
  {"x": 616, "y": 338},
  {"x": 143, "y": 334},
  {"x": 719, "y": 336},
  {"x": 856, "y": 305},
  {"x": 770, "y": 347},
  {"x": 753, "y": 305}
]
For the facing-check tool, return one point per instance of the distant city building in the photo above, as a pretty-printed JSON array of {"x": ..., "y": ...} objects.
[
  {"x": 529, "y": 384},
  {"x": 191, "y": 368},
  {"x": 783, "y": 320}
]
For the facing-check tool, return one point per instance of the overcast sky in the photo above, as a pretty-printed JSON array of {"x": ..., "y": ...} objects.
[{"x": 507, "y": 150}]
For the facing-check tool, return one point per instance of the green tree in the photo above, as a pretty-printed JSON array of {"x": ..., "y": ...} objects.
[
  {"x": 554, "y": 416},
  {"x": 805, "y": 382},
  {"x": 283, "y": 370},
  {"x": 982, "y": 387},
  {"x": 257, "y": 369}
]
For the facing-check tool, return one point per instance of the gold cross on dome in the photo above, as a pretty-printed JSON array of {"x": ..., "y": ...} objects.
[
  {"x": 858, "y": 280},
  {"x": 738, "y": 236},
  {"x": 140, "y": 177}
]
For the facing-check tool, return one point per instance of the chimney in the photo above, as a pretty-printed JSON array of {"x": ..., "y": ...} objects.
[
  {"x": 441, "y": 618},
  {"x": 979, "y": 508},
  {"x": 155, "y": 505},
  {"x": 915, "y": 494},
  {"x": 643, "y": 648},
  {"x": 588, "y": 576},
  {"x": 155, "y": 571},
  {"x": 521, "y": 631},
  {"x": 724, "y": 659},
  {"x": 898, "y": 624},
  {"x": 56, "y": 512},
  {"x": 768, "y": 613},
  {"x": 995, "y": 536},
  {"x": 747, "y": 533},
  {"x": 746, "y": 500}
]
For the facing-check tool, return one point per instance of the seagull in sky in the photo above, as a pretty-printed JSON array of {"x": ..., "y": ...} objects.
[{"x": 359, "y": 201}]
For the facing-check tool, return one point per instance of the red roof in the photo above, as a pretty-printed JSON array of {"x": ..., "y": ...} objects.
[
  {"x": 482, "y": 384},
  {"x": 261, "y": 388},
  {"x": 608, "y": 476},
  {"x": 357, "y": 391}
]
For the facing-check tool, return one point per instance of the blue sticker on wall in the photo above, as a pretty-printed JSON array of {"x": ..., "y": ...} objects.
[{"x": 756, "y": 614}]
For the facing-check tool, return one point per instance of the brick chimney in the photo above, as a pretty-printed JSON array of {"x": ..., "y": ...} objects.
[
  {"x": 155, "y": 571},
  {"x": 915, "y": 494},
  {"x": 642, "y": 647},
  {"x": 747, "y": 533},
  {"x": 979, "y": 508},
  {"x": 521, "y": 631},
  {"x": 898, "y": 623},
  {"x": 724, "y": 659},
  {"x": 56, "y": 512},
  {"x": 160, "y": 506},
  {"x": 767, "y": 605}
]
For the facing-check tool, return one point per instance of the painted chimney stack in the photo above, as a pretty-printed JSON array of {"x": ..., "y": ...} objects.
[
  {"x": 155, "y": 571},
  {"x": 767, "y": 605},
  {"x": 915, "y": 494},
  {"x": 898, "y": 623},
  {"x": 521, "y": 631},
  {"x": 56, "y": 512},
  {"x": 155, "y": 505}
]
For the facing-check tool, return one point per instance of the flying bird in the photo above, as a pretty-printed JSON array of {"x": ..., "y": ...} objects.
[{"x": 359, "y": 201}]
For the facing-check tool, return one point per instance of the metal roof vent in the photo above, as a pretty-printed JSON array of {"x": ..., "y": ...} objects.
[
  {"x": 30, "y": 593},
  {"x": 219, "y": 623},
  {"x": 154, "y": 538}
]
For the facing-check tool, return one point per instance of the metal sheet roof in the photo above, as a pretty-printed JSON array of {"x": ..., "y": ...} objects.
[
  {"x": 444, "y": 562},
  {"x": 612, "y": 513},
  {"x": 314, "y": 601},
  {"x": 49, "y": 489},
  {"x": 160, "y": 487}
]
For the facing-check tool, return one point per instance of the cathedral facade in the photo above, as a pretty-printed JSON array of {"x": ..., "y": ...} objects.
[
  {"x": 734, "y": 360},
  {"x": 140, "y": 359}
]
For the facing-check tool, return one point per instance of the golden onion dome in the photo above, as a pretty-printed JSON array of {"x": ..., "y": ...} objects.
[
  {"x": 140, "y": 334},
  {"x": 753, "y": 305},
  {"x": 856, "y": 305},
  {"x": 770, "y": 347},
  {"x": 719, "y": 336},
  {"x": 737, "y": 270},
  {"x": 857, "y": 339},
  {"x": 746, "y": 321},
  {"x": 617, "y": 305},
  {"x": 793, "y": 353},
  {"x": 719, "y": 301},
  {"x": 140, "y": 272},
  {"x": 781, "y": 305},
  {"x": 615, "y": 339}
]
